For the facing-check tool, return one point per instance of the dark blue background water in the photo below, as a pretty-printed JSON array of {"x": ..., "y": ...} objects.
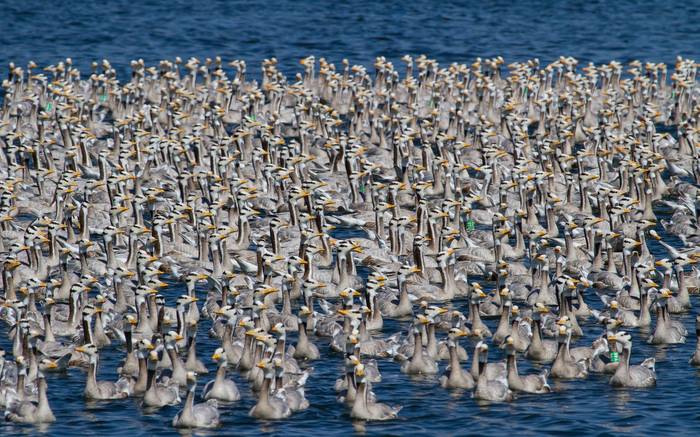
[
  {"x": 47, "y": 32},
  {"x": 358, "y": 30}
]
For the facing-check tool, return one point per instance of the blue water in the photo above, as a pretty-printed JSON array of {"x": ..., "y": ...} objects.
[
  {"x": 47, "y": 32},
  {"x": 448, "y": 31}
]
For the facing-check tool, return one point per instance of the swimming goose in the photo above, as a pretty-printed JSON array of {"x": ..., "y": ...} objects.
[
  {"x": 291, "y": 391},
  {"x": 456, "y": 321},
  {"x": 282, "y": 352},
  {"x": 490, "y": 389},
  {"x": 203, "y": 415},
  {"x": 176, "y": 371},
  {"x": 420, "y": 362},
  {"x": 269, "y": 407},
  {"x": 640, "y": 376},
  {"x": 192, "y": 363},
  {"x": 503, "y": 329},
  {"x": 26, "y": 411},
  {"x": 348, "y": 383},
  {"x": 565, "y": 364},
  {"x": 477, "y": 296},
  {"x": 131, "y": 362},
  {"x": 220, "y": 388},
  {"x": 98, "y": 336},
  {"x": 528, "y": 383},
  {"x": 667, "y": 330},
  {"x": 158, "y": 395},
  {"x": 520, "y": 330},
  {"x": 681, "y": 302},
  {"x": 363, "y": 408},
  {"x": 305, "y": 349},
  {"x": 403, "y": 308},
  {"x": 540, "y": 350},
  {"x": 138, "y": 386},
  {"x": 101, "y": 390},
  {"x": 492, "y": 370},
  {"x": 455, "y": 376}
]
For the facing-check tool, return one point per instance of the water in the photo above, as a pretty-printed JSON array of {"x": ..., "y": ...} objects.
[{"x": 449, "y": 32}]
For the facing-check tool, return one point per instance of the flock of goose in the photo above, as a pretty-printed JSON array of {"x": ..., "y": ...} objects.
[{"x": 521, "y": 192}]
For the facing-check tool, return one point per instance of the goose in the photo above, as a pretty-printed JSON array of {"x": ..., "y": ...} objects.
[
  {"x": 14, "y": 387},
  {"x": 520, "y": 331},
  {"x": 565, "y": 364},
  {"x": 420, "y": 362},
  {"x": 492, "y": 370},
  {"x": 305, "y": 349},
  {"x": 269, "y": 407},
  {"x": 202, "y": 415},
  {"x": 192, "y": 363},
  {"x": 101, "y": 390},
  {"x": 443, "y": 350},
  {"x": 540, "y": 350},
  {"x": 139, "y": 383},
  {"x": 362, "y": 408},
  {"x": 292, "y": 392},
  {"x": 681, "y": 302},
  {"x": 404, "y": 307},
  {"x": 158, "y": 395},
  {"x": 639, "y": 376},
  {"x": 220, "y": 388},
  {"x": 455, "y": 376},
  {"x": 26, "y": 411},
  {"x": 490, "y": 389},
  {"x": 288, "y": 360},
  {"x": 503, "y": 330},
  {"x": 529, "y": 383},
  {"x": 476, "y": 322},
  {"x": 667, "y": 330},
  {"x": 130, "y": 366}
]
